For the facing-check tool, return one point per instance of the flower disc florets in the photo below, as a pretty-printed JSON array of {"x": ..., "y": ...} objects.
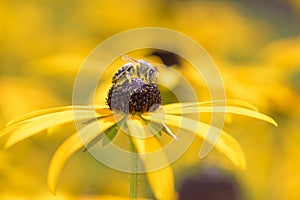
[{"x": 134, "y": 96}]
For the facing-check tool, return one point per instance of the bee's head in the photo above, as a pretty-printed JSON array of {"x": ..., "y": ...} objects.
[
  {"x": 145, "y": 64},
  {"x": 154, "y": 71}
]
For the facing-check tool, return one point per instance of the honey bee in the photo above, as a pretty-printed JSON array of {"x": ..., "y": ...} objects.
[{"x": 135, "y": 68}]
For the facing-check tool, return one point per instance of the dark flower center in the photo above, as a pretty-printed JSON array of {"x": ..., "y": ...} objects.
[{"x": 133, "y": 96}]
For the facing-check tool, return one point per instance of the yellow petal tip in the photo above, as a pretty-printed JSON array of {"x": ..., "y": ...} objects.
[
  {"x": 275, "y": 123},
  {"x": 52, "y": 186},
  {"x": 272, "y": 121}
]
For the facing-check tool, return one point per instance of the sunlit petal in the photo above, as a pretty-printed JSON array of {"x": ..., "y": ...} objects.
[
  {"x": 227, "y": 102},
  {"x": 37, "y": 113},
  {"x": 43, "y": 122},
  {"x": 11, "y": 129},
  {"x": 73, "y": 144},
  {"x": 225, "y": 144},
  {"x": 161, "y": 180},
  {"x": 221, "y": 109}
]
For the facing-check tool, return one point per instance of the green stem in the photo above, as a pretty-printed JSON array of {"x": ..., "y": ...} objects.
[{"x": 133, "y": 175}]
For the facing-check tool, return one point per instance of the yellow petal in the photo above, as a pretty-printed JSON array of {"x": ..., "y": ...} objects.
[
  {"x": 227, "y": 102},
  {"x": 161, "y": 180},
  {"x": 240, "y": 103},
  {"x": 11, "y": 129},
  {"x": 43, "y": 122},
  {"x": 73, "y": 144},
  {"x": 225, "y": 143},
  {"x": 221, "y": 109},
  {"x": 37, "y": 113}
]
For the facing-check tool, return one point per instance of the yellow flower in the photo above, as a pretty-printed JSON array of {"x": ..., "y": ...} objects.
[{"x": 135, "y": 119}]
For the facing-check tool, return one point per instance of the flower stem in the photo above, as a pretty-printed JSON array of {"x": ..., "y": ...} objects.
[{"x": 133, "y": 175}]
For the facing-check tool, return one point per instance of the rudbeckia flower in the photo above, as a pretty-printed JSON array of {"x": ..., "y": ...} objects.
[{"x": 133, "y": 107}]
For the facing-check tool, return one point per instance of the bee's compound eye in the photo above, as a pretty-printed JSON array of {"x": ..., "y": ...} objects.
[
  {"x": 154, "y": 71},
  {"x": 151, "y": 71}
]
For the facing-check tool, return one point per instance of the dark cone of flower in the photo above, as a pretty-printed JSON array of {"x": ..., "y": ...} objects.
[{"x": 133, "y": 96}]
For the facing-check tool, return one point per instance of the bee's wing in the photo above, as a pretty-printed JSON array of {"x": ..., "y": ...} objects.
[{"x": 129, "y": 59}]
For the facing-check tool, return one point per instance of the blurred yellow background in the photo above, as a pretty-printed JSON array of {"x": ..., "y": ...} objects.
[{"x": 255, "y": 44}]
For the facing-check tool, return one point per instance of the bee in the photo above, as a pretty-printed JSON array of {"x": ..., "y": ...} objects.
[
  {"x": 124, "y": 73},
  {"x": 135, "y": 68}
]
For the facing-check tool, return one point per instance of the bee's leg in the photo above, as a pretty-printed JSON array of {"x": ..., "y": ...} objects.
[
  {"x": 138, "y": 71},
  {"x": 128, "y": 77},
  {"x": 148, "y": 76},
  {"x": 151, "y": 75}
]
